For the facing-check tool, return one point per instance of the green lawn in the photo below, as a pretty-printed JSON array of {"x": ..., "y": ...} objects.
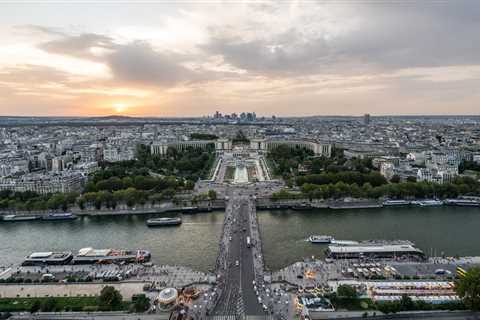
[
  {"x": 353, "y": 304},
  {"x": 57, "y": 304}
]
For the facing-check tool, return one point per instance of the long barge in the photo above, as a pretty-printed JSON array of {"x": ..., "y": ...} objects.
[
  {"x": 339, "y": 206},
  {"x": 302, "y": 207},
  {"x": 87, "y": 256},
  {"x": 428, "y": 203},
  {"x": 20, "y": 218},
  {"x": 396, "y": 203},
  {"x": 462, "y": 202},
  {"x": 107, "y": 256},
  {"x": 164, "y": 222},
  {"x": 59, "y": 216},
  {"x": 49, "y": 217},
  {"x": 374, "y": 251},
  {"x": 48, "y": 258}
]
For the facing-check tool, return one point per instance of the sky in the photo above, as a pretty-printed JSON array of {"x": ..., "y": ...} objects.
[{"x": 284, "y": 58}]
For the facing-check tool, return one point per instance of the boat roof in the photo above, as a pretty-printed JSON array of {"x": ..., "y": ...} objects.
[
  {"x": 37, "y": 255},
  {"x": 374, "y": 248},
  {"x": 90, "y": 252}
]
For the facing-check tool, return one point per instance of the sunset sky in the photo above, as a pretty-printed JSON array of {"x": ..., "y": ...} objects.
[{"x": 190, "y": 58}]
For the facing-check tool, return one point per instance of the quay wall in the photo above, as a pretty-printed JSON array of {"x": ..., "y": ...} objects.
[
  {"x": 124, "y": 210},
  {"x": 262, "y": 203}
]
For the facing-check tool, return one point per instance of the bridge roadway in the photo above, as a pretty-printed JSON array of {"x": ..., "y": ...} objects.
[{"x": 235, "y": 265}]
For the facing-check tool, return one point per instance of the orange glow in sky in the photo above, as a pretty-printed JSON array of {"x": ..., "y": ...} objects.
[{"x": 120, "y": 107}]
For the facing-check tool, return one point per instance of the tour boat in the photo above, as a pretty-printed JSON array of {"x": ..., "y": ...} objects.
[{"x": 320, "y": 239}]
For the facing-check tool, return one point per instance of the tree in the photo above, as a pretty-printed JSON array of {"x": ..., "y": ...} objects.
[
  {"x": 468, "y": 288},
  {"x": 406, "y": 303},
  {"x": 131, "y": 197},
  {"x": 240, "y": 137},
  {"x": 411, "y": 179},
  {"x": 212, "y": 195},
  {"x": 347, "y": 292},
  {"x": 389, "y": 307},
  {"x": 203, "y": 136},
  {"x": 141, "y": 303},
  {"x": 189, "y": 185},
  {"x": 110, "y": 299},
  {"x": 48, "y": 305},
  {"x": 36, "y": 305},
  {"x": 395, "y": 179}
]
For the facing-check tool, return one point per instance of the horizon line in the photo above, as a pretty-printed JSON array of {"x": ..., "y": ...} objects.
[{"x": 209, "y": 116}]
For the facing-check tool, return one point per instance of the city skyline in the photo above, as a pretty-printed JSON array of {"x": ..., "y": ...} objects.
[{"x": 190, "y": 59}]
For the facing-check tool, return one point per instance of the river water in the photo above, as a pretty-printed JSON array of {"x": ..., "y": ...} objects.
[{"x": 452, "y": 230}]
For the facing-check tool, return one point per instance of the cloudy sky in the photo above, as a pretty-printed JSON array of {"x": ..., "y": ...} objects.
[{"x": 190, "y": 58}]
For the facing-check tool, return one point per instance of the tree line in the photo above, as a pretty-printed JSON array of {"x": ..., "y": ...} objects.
[
  {"x": 32, "y": 201},
  {"x": 469, "y": 165},
  {"x": 375, "y": 179},
  {"x": 203, "y": 136},
  {"x": 286, "y": 159},
  {"x": 190, "y": 163},
  {"x": 461, "y": 186},
  {"x": 338, "y": 177},
  {"x": 149, "y": 178}
]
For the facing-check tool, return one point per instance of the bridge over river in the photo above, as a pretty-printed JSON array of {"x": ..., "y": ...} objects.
[{"x": 240, "y": 262}]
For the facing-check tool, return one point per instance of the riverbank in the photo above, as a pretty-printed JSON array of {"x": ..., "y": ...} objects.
[
  {"x": 300, "y": 204},
  {"x": 205, "y": 206}
]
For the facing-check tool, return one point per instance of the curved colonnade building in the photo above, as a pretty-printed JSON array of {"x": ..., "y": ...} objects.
[{"x": 260, "y": 146}]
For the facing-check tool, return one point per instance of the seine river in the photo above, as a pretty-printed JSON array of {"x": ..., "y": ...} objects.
[{"x": 452, "y": 230}]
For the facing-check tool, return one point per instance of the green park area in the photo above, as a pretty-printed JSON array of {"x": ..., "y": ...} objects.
[
  {"x": 203, "y": 136},
  {"x": 147, "y": 179},
  {"x": 338, "y": 177},
  {"x": 48, "y": 304},
  {"x": 109, "y": 299}
]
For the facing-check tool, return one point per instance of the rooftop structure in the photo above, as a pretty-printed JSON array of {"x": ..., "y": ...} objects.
[{"x": 373, "y": 251}]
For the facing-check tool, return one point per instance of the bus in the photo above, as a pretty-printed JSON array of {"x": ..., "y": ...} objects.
[{"x": 249, "y": 242}]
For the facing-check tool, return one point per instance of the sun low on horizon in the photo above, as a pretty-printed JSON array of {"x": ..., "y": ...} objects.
[
  {"x": 127, "y": 107},
  {"x": 120, "y": 107}
]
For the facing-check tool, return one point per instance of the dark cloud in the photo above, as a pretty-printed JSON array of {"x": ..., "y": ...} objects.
[
  {"x": 78, "y": 46},
  {"x": 415, "y": 34},
  {"x": 388, "y": 35},
  {"x": 285, "y": 53},
  {"x": 385, "y": 36},
  {"x": 135, "y": 62},
  {"x": 138, "y": 62}
]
